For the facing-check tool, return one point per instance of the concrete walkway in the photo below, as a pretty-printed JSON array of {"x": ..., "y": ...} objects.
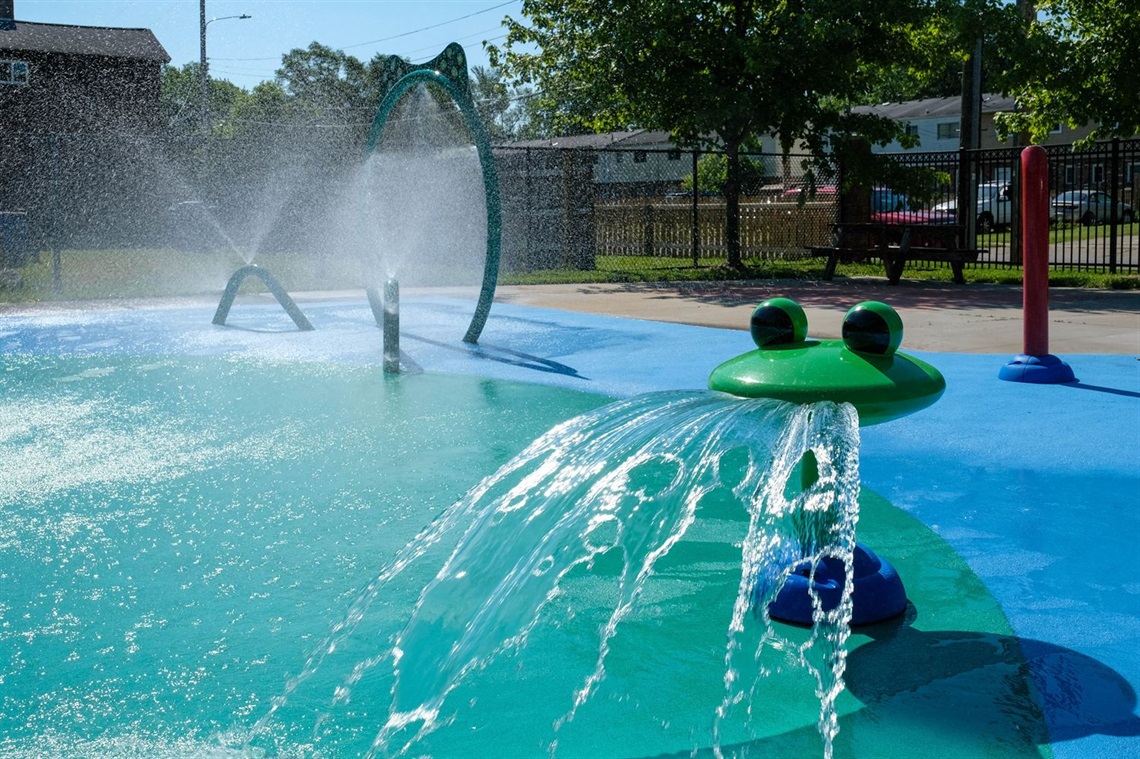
[{"x": 936, "y": 316}]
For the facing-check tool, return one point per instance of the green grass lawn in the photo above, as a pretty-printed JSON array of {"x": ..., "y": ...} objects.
[
  {"x": 101, "y": 274},
  {"x": 1064, "y": 231}
]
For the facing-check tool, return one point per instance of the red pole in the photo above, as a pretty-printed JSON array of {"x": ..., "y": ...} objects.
[
  {"x": 1035, "y": 240},
  {"x": 1035, "y": 364}
]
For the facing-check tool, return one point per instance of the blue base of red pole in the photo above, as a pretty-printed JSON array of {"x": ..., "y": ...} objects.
[{"x": 1040, "y": 370}]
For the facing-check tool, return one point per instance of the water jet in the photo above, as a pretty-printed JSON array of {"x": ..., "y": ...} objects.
[
  {"x": 448, "y": 71},
  {"x": 390, "y": 323}
]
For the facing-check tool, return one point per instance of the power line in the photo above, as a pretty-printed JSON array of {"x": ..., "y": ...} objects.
[
  {"x": 433, "y": 26},
  {"x": 393, "y": 37}
]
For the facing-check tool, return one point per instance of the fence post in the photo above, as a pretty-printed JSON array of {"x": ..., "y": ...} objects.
[
  {"x": 1114, "y": 191},
  {"x": 696, "y": 211},
  {"x": 967, "y": 199},
  {"x": 647, "y": 220}
]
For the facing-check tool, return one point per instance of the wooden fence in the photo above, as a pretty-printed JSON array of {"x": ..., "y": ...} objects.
[{"x": 768, "y": 229}]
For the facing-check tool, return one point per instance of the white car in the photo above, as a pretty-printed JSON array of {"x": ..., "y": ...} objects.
[
  {"x": 1089, "y": 207},
  {"x": 994, "y": 206}
]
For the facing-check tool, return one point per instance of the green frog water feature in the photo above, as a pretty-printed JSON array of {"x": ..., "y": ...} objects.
[{"x": 865, "y": 369}]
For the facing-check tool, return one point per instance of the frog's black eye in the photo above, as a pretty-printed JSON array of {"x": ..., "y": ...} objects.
[
  {"x": 778, "y": 321},
  {"x": 872, "y": 327}
]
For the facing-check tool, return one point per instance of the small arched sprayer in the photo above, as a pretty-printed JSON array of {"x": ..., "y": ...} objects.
[
  {"x": 864, "y": 369},
  {"x": 273, "y": 286}
]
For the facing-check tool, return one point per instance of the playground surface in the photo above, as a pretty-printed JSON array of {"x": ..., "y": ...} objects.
[{"x": 1035, "y": 487}]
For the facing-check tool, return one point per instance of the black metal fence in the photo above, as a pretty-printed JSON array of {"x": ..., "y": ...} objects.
[
  {"x": 1098, "y": 237},
  {"x": 561, "y": 208}
]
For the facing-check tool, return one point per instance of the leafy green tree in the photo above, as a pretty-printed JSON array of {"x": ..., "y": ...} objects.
[
  {"x": 492, "y": 100},
  {"x": 712, "y": 174},
  {"x": 181, "y": 105},
  {"x": 943, "y": 40},
  {"x": 709, "y": 70},
  {"x": 330, "y": 85},
  {"x": 1080, "y": 68},
  {"x": 266, "y": 105}
]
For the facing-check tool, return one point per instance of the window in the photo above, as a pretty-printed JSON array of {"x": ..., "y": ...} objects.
[
  {"x": 1057, "y": 128},
  {"x": 1096, "y": 177},
  {"x": 640, "y": 156},
  {"x": 912, "y": 130},
  {"x": 949, "y": 130},
  {"x": 1132, "y": 173},
  {"x": 674, "y": 155},
  {"x": 14, "y": 72}
]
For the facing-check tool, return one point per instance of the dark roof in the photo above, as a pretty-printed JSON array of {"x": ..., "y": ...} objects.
[
  {"x": 630, "y": 139},
  {"x": 933, "y": 108},
  {"x": 28, "y": 37}
]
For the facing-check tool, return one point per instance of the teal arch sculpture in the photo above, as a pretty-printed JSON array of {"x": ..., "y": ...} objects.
[{"x": 449, "y": 71}]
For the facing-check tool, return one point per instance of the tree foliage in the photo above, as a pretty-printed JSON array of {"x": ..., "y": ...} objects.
[
  {"x": 943, "y": 41},
  {"x": 180, "y": 99},
  {"x": 1080, "y": 67},
  {"x": 332, "y": 86}
]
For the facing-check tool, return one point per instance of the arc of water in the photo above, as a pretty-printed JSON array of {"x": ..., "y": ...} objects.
[{"x": 449, "y": 71}]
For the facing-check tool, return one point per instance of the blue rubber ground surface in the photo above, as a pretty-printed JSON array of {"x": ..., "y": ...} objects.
[{"x": 1036, "y": 486}]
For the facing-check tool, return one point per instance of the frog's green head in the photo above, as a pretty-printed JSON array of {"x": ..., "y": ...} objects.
[{"x": 864, "y": 369}]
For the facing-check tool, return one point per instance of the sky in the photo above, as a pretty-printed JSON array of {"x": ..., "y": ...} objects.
[{"x": 248, "y": 51}]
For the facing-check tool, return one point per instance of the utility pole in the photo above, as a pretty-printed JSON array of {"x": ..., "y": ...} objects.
[
  {"x": 204, "y": 67},
  {"x": 203, "y": 74}
]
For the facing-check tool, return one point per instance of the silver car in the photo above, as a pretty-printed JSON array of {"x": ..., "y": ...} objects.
[
  {"x": 1089, "y": 207},
  {"x": 994, "y": 208}
]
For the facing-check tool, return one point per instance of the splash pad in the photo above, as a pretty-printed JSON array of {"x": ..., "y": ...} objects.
[
  {"x": 234, "y": 553},
  {"x": 211, "y": 641}
]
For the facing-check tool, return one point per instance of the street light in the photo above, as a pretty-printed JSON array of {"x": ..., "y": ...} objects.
[{"x": 203, "y": 69}]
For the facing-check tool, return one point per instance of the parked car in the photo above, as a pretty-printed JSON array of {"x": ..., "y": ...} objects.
[
  {"x": 1088, "y": 207},
  {"x": 994, "y": 207},
  {"x": 914, "y": 217},
  {"x": 821, "y": 192},
  {"x": 886, "y": 200}
]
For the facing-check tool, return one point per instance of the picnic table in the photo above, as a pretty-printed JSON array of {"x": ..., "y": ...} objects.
[{"x": 895, "y": 242}]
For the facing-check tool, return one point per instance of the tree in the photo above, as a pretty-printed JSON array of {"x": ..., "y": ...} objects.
[
  {"x": 944, "y": 40},
  {"x": 492, "y": 100},
  {"x": 267, "y": 104},
  {"x": 713, "y": 69},
  {"x": 1080, "y": 68},
  {"x": 332, "y": 86},
  {"x": 180, "y": 99}
]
